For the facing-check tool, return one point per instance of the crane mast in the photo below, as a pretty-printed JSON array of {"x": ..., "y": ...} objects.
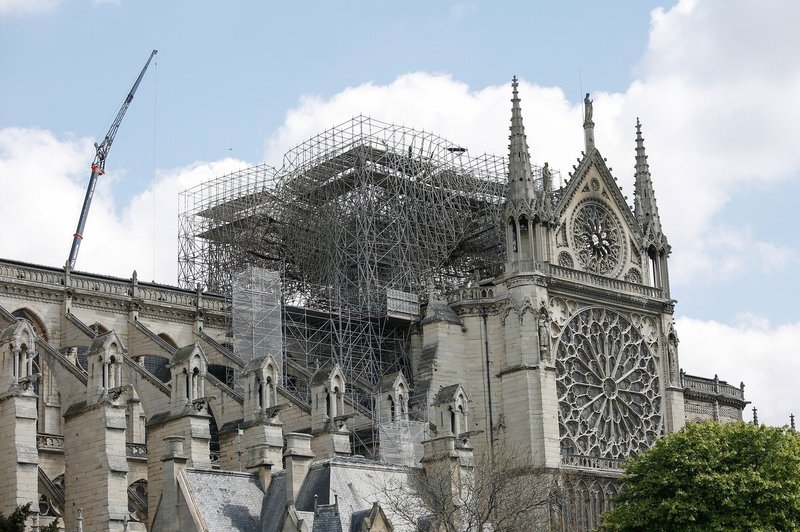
[{"x": 99, "y": 165}]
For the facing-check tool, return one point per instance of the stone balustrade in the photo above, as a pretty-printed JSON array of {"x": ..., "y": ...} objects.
[
  {"x": 713, "y": 386},
  {"x": 136, "y": 450},
  {"x": 110, "y": 286},
  {"x": 50, "y": 442},
  {"x": 590, "y": 462}
]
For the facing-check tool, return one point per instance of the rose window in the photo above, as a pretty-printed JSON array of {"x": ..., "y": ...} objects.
[
  {"x": 608, "y": 390},
  {"x": 597, "y": 238}
]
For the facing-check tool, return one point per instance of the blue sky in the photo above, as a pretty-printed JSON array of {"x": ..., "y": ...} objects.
[{"x": 238, "y": 83}]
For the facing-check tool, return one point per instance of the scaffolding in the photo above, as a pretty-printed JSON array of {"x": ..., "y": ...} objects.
[
  {"x": 361, "y": 220},
  {"x": 257, "y": 326}
]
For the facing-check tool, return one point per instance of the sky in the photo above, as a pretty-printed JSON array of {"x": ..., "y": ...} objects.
[{"x": 238, "y": 83}]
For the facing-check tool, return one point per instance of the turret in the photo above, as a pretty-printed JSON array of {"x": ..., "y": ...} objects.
[
  {"x": 646, "y": 211},
  {"x": 527, "y": 240}
]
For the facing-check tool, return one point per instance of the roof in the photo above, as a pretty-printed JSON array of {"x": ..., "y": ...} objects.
[
  {"x": 355, "y": 480},
  {"x": 446, "y": 394},
  {"x": 227, "y": 500},
  {"x": 327, "y": 519},
  {"x": 438, "y": 310},
  {"x": 274, "y": 503},
  {"x": 184, "y": 353}
]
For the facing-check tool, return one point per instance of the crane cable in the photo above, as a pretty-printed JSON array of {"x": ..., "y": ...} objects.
[{"x": 155, "y": 122}]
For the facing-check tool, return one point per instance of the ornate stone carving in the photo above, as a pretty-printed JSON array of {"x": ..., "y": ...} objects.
[
  {"x": 608, "y": 388},
  {"x": 565, "y": 260},
  {"x": 634, "y": 276},
  {"x": 597, "y": 238}
]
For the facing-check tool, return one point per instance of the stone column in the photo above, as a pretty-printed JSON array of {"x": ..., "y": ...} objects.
[
  {"x": 298, "y": 457},
  {"x": 96, "y": 476},
  {"x": 19, "y": 457}
]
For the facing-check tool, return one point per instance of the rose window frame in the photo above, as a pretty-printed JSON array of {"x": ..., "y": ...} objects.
[
  {"x": 608, "y": 387},
  {"x": 597, "y": 238}
]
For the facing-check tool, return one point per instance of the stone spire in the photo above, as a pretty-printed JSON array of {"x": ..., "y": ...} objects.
[
  {"x": 520, "y": 177},
  {"x": 644, "y": 199}
]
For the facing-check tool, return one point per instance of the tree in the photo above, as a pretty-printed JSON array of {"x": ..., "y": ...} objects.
[
  {"x": 713, "y": 477},
  {"x": 16, "y": 521},
  {"x": 499, "y": 490}
]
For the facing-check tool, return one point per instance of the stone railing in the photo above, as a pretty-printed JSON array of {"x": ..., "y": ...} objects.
[
  {"x": 110, "y": 286},
  {"x": 50, "y": 442},
  {"x": 136, "y": 450},
  {"x": 616, "y": 285},
  {"x": 590, "y": 462},
  {"x": 712, "y": 387},
  {"x": 473, "y": 292}
]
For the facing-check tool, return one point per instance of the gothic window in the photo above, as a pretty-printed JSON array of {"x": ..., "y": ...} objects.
[
  {"x": 608, "y": 387},
  {"x": 597, "y": 238}
]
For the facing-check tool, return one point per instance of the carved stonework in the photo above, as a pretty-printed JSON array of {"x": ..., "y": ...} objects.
[
  {"x": 608, "y": 387},
  {"x": 634, "y": 276},
  {"x": 597, "y": 238},
  {"x": 565, "y": 260}
]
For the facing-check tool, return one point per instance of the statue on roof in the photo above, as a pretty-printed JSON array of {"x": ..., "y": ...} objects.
[{"x": 587, "y": 109}]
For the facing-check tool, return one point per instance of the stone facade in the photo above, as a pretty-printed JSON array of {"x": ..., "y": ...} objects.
[{"x": 116, "y": 396}]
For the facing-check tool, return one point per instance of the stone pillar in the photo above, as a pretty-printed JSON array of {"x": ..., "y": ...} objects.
[
  {"x": 96, "y": 476},
  {"x": 449, "y": 460},
  {"x": 192, "y": 427},
  {"x": 172, "y": 462},
  {"x": 298, "y": 457},
  {"x": 335, "y": 442},
  {"x": 19, "y": 458}
]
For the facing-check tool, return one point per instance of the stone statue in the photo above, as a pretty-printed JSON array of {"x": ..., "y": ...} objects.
[
  {"x": 544, "y": 347},
  {"x": 547, "y": 178},
  {"x": 587, "y": 108}
]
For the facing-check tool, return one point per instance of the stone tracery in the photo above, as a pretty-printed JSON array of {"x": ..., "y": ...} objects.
[
  {"x": 597, "y": 238},
  {"x": 608, "y": 388}
]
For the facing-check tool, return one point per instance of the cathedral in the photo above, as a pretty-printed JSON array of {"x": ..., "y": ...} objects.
[{"x": 382, "y": 303}]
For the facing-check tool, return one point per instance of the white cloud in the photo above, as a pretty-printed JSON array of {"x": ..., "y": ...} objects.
[
  {"x": 51, "y": 175},
  {"x": 27, "y": 7},
  {"x": 753, "y": 350}
]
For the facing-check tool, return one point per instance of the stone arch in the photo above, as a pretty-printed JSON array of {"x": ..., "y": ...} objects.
[
  {"x": 38, "y": 324},
  {"x": 167, "y": 338}
]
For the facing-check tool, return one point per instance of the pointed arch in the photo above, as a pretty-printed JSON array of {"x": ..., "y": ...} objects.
[{"x": 39, "y": 326}]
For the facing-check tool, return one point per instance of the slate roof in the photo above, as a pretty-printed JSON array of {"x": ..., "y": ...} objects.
[
  {"x": 355, "y": 480},
  {"x": 183, "y": 353},
  {"x": 227, "y": 500},
  {"x": 438, "y": 310},
  {"x": 274, "y": 503},
  {"x": 327, "y": 520}
]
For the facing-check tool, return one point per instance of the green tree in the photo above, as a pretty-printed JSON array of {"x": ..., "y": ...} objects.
[
  {"x": 16, "y": 521},
  {"x": 713, "y": 477}
]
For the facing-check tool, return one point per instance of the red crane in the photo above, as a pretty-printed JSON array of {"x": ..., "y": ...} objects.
[{"x": 99, "y": 165}]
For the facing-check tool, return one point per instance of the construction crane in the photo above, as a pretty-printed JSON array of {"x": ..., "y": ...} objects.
[{"x": 99, "y": 165}]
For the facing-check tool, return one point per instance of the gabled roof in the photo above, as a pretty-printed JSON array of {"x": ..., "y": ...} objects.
[
  {"x": 438, "y": 311},
  {"x": 449, "y": 393},
  {"x": 184, "y": 353},
  {"x": 226, "y": 500},
  {"x": 594, "y": 158},
  {"x": 326, "y": 372},
  {"x": 16, "y": 328},
  {"x": 101, "y": 342}
]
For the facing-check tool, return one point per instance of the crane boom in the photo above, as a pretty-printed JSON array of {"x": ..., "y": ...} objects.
[{"x": 99, "y": 165}]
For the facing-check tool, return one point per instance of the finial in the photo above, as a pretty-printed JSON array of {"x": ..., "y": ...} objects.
[
  {"x": 791, "y": 421},
  {"x": 755, "y": 416},
  {"x": 514, "y": 82}
]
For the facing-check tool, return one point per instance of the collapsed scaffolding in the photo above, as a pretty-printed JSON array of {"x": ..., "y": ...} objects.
[{"x": 361, "y": 222}]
